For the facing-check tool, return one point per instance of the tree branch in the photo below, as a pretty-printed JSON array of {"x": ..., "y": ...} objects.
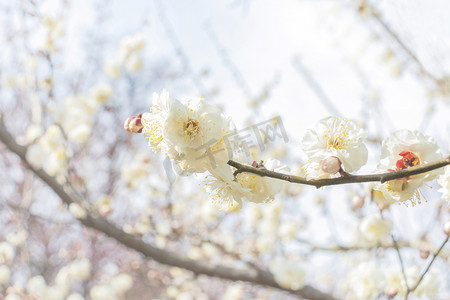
[
  {"x": 318, "y": 183},
  {"x": 68, "y": 196}
]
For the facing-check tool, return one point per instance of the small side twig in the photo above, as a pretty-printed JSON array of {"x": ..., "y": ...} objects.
[{"x": 427, "y": 268}]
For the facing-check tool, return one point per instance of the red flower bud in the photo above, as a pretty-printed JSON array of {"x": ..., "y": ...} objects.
[{"x": 134, "y": 124}]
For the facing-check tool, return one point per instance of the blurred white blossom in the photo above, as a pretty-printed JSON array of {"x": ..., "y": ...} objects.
[
  {"x": 375, "y": 229},
  {"x": 287, "y": 273}
]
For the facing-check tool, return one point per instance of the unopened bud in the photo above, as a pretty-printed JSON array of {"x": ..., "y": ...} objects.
[
  {"x": 392, "y": 292},
  {"x": 331, "y": 165},
  {"x": 105, "y": 210},
  {"x": 424, "y": 253},
  {"x": 447, "y": 228},
  {"x": 134, "y": 124},
  {"x": 357, "y": 202}
]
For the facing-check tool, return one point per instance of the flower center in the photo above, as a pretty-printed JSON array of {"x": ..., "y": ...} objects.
[
  {"x": 338, "y": 136},
  {"x": 409, "y": 159},
  {"x": 191, "y": 128}
]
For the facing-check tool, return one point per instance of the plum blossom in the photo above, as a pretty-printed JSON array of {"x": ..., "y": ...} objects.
[
  {"x": 374, "y": 228},
  {"x": 366, "y": 281},
  {"x": 331, "y": 143},
  {"x": 5, "y": 274},
  {"x": 262, "y": 189},
  {"x": 7, "y": 252},
  {"x": 405, "y": 149},
  {"x": 128, "y": 56},
  {"x": 444, "y": 182},
  {"x": 223, "y": 190},
  {"x": 190, "y": 134},
  {"x": 287, "y": 274}
]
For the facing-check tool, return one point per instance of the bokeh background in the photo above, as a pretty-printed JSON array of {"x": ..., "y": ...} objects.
[{"x": 73, "y": 71}]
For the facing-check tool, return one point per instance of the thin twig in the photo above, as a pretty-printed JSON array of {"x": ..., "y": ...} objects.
[
  {"x": 316, "y": 87},
  {"x": 400, "y": 259},
  {"x": 376, "y": 15},
  {"x": 428, "y": 267}
]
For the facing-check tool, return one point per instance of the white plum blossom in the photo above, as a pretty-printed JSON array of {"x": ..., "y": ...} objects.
[
  {"x": 36, "y": 286},
  {"x": 79, "y": 269},
  {"x": 444, "y": 182},
  {"x": 77, "y": 210},
  {"x": 366, "y": 281},
  {"x": 263, "y": 189},
  {"x": 427, "y": 288},
  {"x": 404, "y": 149},
  {"x": 5, "y": 274},
  {"x": 128, "y": 56},
  {"x": 332, "y": 142},
  {"x": 112, "y": 69},
  {"x": 154, "y": 122},
  {"x": 75, "y": 296},
  {"x": 223, "y": 190},
  {"x": 192, "y": 125},
  {"x": 287, "y": 273},
  {"x": 190, "y": 134},
  {"x": 102, "y": 292},
  {"x": 101, "y": 93},
  {"x": 7, "y": 252},
  {"x": 121, "y": 283},
  {"x": 374, "y": 228},
  {"x": 80, "y": 133},
  {"x": 13, "y": 297},
  {"x": 234, "y": 292}
]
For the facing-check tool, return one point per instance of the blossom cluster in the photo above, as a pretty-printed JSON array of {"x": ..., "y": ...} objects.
[
  {"x": 368, "y": 281},
  {"x": 128, "y": 56},
  {"x": 192, "y": 135},
  {"x": 75, "y": 118}
]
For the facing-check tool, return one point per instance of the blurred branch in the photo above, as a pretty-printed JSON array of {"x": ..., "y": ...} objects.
[
  {"x": 400, "y": 259},
  {"x": 316, "y": 87},
  {"x": 318, "y": 183},
  {"x": 228, "y": 63},
  {"x": 176, "y": 44},
  {"x": 68, "y": 196},
  {"x": 427, "y": 268},
  {"x": 400, "y": 244},
  {"x": 377, "y": 17}
]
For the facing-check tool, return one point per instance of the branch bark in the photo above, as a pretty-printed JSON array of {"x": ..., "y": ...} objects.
[
  {"x": 318, "y": 183},
  {"x": 68, "y": 196}
]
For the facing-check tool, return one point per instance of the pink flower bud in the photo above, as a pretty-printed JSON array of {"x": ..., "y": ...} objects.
[
  {"x": 392, "y": 292},
  {"x": 331, "y": 165},
  {"x": 447, "y": 228},
  {"x": 357, "y": 202},
  {"x": 134, "y": 124},
  {"x": 424, "y": 253}
]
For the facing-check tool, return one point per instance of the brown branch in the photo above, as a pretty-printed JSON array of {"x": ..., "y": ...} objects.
[
  {"x": 318, "y": 183},
  {"x": 68, "y": 196}
]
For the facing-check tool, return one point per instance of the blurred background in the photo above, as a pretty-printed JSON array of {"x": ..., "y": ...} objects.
[{"x": 73, "y": 71}]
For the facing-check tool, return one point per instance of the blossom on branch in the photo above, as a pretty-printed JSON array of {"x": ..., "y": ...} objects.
[
  {"x": 402, "y": 150},
  {"x": 444, "y": 182},
  {"x": 287, "y": 274},
  {"x": 191, "y": 134},
  {"x": 334, "y": 144}
]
